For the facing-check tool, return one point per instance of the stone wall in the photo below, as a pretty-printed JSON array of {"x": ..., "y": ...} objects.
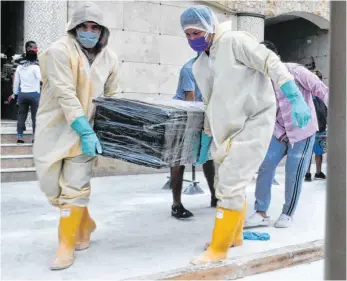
[
  {"x": 44, "y": 21},
  {"x": 278, "y": 7}
]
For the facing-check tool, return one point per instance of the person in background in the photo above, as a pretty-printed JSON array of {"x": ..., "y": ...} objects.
[
  {"x": 9, "y": 53},
  {"x": 7, "y": 84},
  {"x": 291, "y": 141},
  {"x": 7, "y": 65},
  {"x": 26, "y": 86},
  {"x": 233, "y": 74},
  {"x": 29, "y": 46},
  {"x": 319, "y": 147},
  {"x": 75, "y": 70},
  {"x": 189, "y": 91}
]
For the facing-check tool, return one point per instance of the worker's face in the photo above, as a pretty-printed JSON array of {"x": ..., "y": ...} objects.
[
  {"x": 199, "y": 41},
  {"x": 89, "y": 26},
  {"x": 193, "y": 34},
  {"x": 32, "y": 47}
]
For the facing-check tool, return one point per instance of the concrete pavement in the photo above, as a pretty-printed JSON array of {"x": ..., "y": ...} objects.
[{"x": 135, "y": 233}]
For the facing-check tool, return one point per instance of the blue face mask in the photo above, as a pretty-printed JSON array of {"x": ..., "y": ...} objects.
[
  {"x": 88, "y": 39},
  {"x": 199, "y": 44}
]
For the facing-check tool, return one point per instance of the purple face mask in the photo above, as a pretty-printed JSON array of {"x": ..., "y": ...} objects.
[{"x": 199, "y": 44}]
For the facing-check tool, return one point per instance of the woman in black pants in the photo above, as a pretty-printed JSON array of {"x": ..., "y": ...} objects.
[{"x": 26, "y": 86}]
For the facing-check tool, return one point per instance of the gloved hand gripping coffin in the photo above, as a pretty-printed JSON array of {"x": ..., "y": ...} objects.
[{"x": 158, "y": 134}]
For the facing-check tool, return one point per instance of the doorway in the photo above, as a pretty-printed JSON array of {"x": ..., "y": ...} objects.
[
  {"x": 299, "y": 40},
  {"x": 12, "y": 36}
]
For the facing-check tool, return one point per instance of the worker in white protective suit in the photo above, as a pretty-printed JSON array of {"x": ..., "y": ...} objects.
[
  {"x": 75, "y": 70},
  {"x": 234, "y": 75}
]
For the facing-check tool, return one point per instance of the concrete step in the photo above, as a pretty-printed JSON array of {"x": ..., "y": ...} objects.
[
  {"x": 13, "y": 130},
  {"x": 17, "y": 161},
  {"x": 18, "y": 174},
  {"x": 12, "y": 137},
  {"x": 16, "y": 149},
  {"x": 13, "y": 124}
]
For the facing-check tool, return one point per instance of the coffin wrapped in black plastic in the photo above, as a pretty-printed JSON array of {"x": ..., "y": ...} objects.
[{"x": 158, "y": 134}]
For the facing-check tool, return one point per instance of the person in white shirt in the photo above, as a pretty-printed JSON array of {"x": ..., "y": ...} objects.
[{"x": 26, "y": 86}]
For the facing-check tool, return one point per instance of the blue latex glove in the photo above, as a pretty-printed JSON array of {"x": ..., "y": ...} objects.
[
  {"x": 204, "y": 149},
  {"x": 247, "y": 235},
  {"x": 89, "y": 141},
  {"x": 301, "y": 113}
]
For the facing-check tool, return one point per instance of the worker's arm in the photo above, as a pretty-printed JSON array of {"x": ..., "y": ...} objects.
[
  {"x": 37, "y": 73},
  {"x": 61, "y": 81},
  {"x": 189, "y": 87},
  {"x": 16, "y": 81},
  {"x": 311, "y": 82},
  {"x": 112, "y": 82},
  {"x": 255, "y": 55},
  {"x": 188, "y": 83}
]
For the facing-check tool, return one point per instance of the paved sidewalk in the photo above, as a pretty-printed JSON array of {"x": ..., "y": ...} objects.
[{"x": 135, "y": 233}]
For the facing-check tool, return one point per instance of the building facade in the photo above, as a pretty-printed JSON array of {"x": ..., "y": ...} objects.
[
  {"x": 151, "y": 46},
  {"x": 147, "y": 37}
]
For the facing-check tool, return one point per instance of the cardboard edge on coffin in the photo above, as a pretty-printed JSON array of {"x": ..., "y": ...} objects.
[{"x": 239, "y": 267}]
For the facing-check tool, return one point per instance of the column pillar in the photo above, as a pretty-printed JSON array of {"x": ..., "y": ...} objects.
[
  {"x": 252, "y": 23},
  {"x": 44, "y": 21},
  {"x": 335, "y": 218}
]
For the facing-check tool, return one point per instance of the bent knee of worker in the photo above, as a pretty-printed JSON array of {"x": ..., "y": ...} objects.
[
  {"x": 231, "y": 195},
  {"x": 49, "y": 179},
  {"x": 238, "y": 174},
  {"x": 77, "y": 172},
  {"x": 235, "y": 202},
  {"x": 51, "y": 189},
  {"x": 75, "y": 197},
  {"x": 242, "y": 152}
]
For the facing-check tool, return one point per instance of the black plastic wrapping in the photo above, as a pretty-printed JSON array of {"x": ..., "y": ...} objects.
[{"x": 157, "y": 134}]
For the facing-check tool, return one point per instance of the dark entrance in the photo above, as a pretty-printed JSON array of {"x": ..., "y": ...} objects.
[
  {"x": 299, "y": 40},
  {"x": 12, "y": 34}
]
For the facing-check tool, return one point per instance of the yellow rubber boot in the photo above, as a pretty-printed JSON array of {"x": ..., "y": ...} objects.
[
  {"x": 70, "y": 219},
  {"x": 226, "y": 223},
  {"x": 87, "y": 226},
  {"x": 238, "y": 239}
]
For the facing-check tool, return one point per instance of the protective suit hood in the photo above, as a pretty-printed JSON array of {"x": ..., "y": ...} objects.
[
  {"x": 199, "y": 17},
  {"x": 88, "y": 11}
]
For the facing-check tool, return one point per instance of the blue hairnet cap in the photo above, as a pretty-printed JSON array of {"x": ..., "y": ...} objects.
[{"x": 199, "y": 17}]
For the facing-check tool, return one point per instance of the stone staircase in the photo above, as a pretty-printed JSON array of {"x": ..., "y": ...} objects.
[{"x": 17, "y": 161}]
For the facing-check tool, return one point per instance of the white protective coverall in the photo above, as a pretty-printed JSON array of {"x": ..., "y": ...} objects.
[
  {"x": 70, "y": 82},
  {"x": 240, "y": 107}
]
